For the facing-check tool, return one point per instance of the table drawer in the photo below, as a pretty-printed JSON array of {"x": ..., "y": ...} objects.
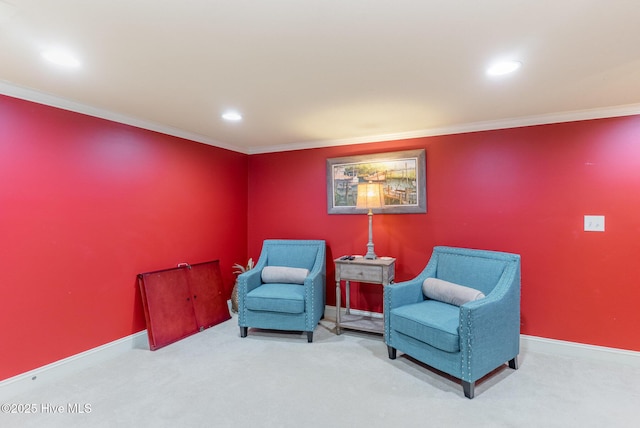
[{"x": 361, "y": 273}]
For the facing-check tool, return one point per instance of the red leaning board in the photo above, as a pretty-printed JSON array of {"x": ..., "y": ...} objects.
[{"x": 182, "y": 301}]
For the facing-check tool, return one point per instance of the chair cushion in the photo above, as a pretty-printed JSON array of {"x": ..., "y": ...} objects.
[
  {"x": 284, "y": 274},
  {"x": 448, "y": 292},
  {"x": 301, "y": 255},
  {"x": 287, "y": 298},
  {"x": 432, "y": 322},
  {"x": 481, "y": 273}
]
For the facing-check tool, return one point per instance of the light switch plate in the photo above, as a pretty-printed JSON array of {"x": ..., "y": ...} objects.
[{"x": 594, "y": 223}]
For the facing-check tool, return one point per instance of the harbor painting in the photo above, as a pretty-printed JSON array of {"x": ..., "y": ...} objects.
[{"x": 402, "y": 176}]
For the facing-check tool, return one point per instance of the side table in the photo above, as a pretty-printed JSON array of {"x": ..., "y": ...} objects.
[{"x": 379, "y": 271}]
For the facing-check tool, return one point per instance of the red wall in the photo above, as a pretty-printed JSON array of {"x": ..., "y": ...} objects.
[
  {"x": 522, "y": 190},
  {"x": 87, "y": 204}
]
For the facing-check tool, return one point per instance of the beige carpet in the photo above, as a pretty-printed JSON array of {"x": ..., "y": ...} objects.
[{"x": 275, "y": 379}]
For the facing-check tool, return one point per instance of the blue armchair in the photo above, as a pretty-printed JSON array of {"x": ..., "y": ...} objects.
[
  {"x": 292, "y": 295},
  {"x": 466, "y": 341}
]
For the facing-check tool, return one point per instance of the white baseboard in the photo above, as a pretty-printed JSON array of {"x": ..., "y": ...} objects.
[
  {"x": 51, "y": 372},
  {"x": 580, "y": 350},
  {"x": 24, "y": 382},
  {"x": 548, "y": 346}
]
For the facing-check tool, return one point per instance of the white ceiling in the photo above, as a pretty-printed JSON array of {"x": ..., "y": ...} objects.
[{"x": 310, "y": 73}]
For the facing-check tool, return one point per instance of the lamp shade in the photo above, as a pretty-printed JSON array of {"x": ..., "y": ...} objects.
[{"x": 370, "y": 196}]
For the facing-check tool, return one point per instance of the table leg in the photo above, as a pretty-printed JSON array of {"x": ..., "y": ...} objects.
[
  {"x": 347, "y": 297},
  {"x": 338, "y": 307}
]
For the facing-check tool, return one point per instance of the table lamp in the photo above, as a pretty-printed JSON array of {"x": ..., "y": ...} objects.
[{"x": 370, "y": 196}]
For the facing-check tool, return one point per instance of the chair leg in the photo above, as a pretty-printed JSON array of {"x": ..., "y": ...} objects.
[
  {"x": 513, "y": 363},
  {"x": 309, "y": 336},
  {"x": 392, "y": 352},
  {"x": 468, "y": 387},
  {"x": 243, "y": 331}
]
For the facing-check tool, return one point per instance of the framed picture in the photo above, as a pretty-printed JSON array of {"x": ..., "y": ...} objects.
[{"x": 402, "y": 176}]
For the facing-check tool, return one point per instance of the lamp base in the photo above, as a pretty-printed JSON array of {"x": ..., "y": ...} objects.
[{"x": 371, "y": 255}]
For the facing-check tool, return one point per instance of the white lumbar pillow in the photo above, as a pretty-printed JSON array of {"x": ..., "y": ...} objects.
[
  {"x": 448, "y": 292},
  {"x": 284, "y": 274}
]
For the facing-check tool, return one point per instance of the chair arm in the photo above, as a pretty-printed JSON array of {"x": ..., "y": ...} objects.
[
  {"x": 407, "y": 292},
  {"x": 402, "y": 293},
  {"x": 490, "y": 328},
  {"x": 396, "y": 295},
  {"x": 317, "y": 269},
  {"x": 315, "y": 284},
  {"x": 315, "y": 278},
  {"x": 249, "y": 280}
]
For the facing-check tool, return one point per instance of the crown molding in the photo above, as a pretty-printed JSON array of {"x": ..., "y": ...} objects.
[
  {"x": 518, "y": 122},
  {"x": 28, "y": 94},
  {"x": 16, "y": 91}
]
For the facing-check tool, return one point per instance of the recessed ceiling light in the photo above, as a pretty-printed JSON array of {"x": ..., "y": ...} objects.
[
  {"x": 232, "y": 116},
  {"x": 504, "y": 67},
  {"x": 62, "y": 58}
]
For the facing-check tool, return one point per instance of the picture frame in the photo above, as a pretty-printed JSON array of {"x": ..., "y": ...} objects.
[{"x": 402, "y": 175}]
